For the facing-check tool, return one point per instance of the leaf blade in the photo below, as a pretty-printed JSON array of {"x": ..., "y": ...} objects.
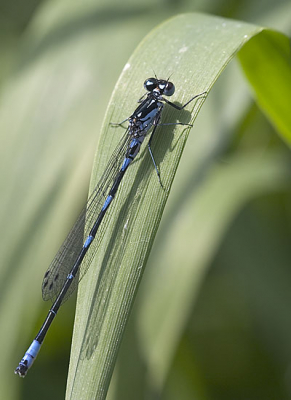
[{"x": 173, "y": 45}]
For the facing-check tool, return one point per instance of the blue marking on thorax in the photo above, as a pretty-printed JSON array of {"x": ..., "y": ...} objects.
[{"x": 149, "y": 117}]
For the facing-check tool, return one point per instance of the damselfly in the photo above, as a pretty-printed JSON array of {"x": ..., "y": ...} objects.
[{"x": 75, "y": 255}]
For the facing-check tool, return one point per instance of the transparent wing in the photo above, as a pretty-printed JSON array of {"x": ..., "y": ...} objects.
[{"x": 65, "y": 258}]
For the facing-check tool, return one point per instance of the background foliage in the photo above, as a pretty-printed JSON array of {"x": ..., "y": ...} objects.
[{"x": 59, "y": 64}]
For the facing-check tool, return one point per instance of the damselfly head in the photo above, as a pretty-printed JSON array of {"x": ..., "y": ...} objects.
[{"x": 160, "y": 85}]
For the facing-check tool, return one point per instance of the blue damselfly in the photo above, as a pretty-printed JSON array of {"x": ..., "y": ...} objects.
[{"x": 75, "y": 255}]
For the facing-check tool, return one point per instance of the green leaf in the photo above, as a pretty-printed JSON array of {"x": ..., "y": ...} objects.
[
  {"x": 266, "y": 63},
  {"x": 50, "y": 114},
  {"x": 196, "y": 233},
  {"x": 194, "y": 49}
]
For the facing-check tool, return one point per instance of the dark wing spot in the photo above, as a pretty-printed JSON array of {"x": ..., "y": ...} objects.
[{"x": 47, "y": 273}]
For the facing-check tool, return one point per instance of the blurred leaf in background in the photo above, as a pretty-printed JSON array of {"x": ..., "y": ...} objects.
[{"x": 60, "y": 61}]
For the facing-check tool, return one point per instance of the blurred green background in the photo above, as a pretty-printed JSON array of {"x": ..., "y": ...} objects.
[{"x": 228, "y": 224}]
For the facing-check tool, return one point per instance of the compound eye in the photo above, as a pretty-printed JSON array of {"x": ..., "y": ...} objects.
[
  {"x": 150, "y": 84},
  {"x": 169, "y": 89}
]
